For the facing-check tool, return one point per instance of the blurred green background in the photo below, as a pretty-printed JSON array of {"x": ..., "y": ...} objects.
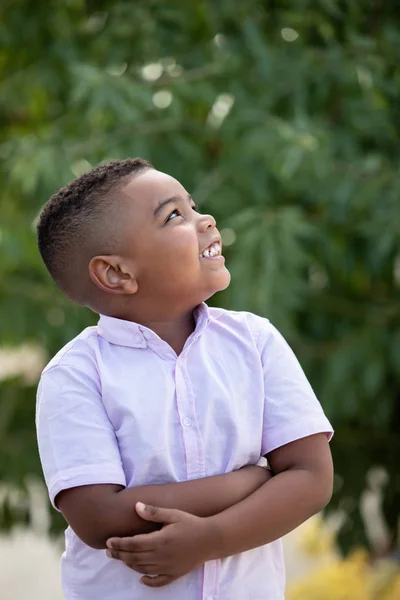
[{"x": 280, "y": 118}]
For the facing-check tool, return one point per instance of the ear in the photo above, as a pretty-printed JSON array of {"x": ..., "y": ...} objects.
[{"x": 113, "y": 275}]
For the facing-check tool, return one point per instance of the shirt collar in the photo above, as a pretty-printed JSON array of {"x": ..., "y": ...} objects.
[{"x": 129, "y": 333}]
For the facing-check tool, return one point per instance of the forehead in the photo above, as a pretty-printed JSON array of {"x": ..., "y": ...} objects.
[{"x": 151, "y": 187}]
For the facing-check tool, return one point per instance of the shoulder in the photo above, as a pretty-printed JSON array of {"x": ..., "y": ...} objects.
[
  {"x": 243, "y": 322},
  {"x": 80, "y": 354},
  {"x": 71, "y": 378}
]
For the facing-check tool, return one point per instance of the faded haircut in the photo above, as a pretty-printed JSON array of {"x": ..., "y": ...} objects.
[{"x": 77, "y": 213}]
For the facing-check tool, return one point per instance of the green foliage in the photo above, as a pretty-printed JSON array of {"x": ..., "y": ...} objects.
[{"x": 281, "y": 118}]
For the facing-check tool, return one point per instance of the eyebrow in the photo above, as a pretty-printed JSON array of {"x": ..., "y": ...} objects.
[{"x": 170, "y": 201}]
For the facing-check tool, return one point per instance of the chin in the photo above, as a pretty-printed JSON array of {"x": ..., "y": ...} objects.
[
  {"x": 226, "y": 281},
  {"x": 221, "y": 284}
]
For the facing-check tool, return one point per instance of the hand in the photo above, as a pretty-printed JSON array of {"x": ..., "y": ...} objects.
[{"x": 182, "y": 545}]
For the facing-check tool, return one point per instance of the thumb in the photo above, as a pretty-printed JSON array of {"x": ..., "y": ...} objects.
[{"x": 157, "y": 514}]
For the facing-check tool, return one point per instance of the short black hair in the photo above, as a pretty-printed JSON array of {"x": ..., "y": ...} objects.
[{"x": 73, "y": 214}]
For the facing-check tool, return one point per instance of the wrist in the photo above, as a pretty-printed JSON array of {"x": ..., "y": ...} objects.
[{"x": 211, "y": 538}]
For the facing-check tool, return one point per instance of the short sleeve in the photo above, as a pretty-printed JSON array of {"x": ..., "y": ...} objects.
[
  {"x": 77, "y": 443},
  {"x": 291, "y": 409}
]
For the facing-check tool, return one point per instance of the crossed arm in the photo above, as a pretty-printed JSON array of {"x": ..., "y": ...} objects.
[
  {"x": 97, "y": 512},
  {"x": 206, "y": 519}
]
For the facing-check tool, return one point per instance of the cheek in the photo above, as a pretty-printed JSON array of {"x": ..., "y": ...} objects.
[
  {"x": 181, "y": 247},
  {"x": 178, "y": 252}
]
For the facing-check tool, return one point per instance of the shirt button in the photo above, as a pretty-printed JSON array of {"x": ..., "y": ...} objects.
[
  {"x": 138, "y": 338},
  {"x": 187, "y": 423}
]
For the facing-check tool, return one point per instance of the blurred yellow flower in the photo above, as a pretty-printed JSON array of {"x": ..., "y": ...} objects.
[
  {"x": 317, "y": 538},
  {"x": 350, "y": 578},
  {"x": 393, "y": 591},
  {"x": 341, "y": 580}
]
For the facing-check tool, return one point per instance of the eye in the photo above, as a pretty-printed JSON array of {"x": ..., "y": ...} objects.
[
  {"x": 195, "y": 208},
  {"x": 175, "y": 213}
]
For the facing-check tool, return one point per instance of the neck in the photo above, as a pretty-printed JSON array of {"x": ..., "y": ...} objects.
[
  {"x": 172, "y": 328},
  {"x": 174, "y": 331}
]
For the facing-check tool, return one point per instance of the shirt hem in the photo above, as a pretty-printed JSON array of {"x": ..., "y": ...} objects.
[
  {"x": 65, "y": 480},
  {"x": 297, "y": 431}
]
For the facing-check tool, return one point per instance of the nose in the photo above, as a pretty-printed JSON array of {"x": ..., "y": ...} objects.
[{"x": 206, "y": 222}]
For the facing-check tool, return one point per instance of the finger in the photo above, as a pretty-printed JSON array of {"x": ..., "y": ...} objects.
[
  {"x": 158, "y": 581},
  {"x": 159, "y": 515},
  {"x": 136, "y": 543},
  {"x": 144, "y": 569},
  {"x": 137, "y": 558}
]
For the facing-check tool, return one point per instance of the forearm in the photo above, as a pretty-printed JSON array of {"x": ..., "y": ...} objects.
[
  {"x": 96, "y": 513},
  {"x": 289, "y": 499},
  {"x": 201, "y": 497}
]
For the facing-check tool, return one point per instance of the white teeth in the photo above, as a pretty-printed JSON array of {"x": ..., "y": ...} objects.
[{"x": 213, "y": 250}]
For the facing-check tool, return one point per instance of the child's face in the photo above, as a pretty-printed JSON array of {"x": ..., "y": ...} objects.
[{"x": 164, "y": 237}]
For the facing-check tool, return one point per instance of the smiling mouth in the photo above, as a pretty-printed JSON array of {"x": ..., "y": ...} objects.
[{"x": 212, "y": 251}]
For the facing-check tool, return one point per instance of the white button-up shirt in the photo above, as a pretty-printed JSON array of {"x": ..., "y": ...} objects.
[{"x": 117, "y": 405}]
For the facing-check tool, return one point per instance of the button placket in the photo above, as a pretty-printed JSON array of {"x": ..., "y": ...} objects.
[
  {"x": 212, "y": 573},
  {"x": 187, "y": 415}
]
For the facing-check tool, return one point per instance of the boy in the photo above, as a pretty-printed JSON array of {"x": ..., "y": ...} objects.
[{"x": 165, "y": 401}]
